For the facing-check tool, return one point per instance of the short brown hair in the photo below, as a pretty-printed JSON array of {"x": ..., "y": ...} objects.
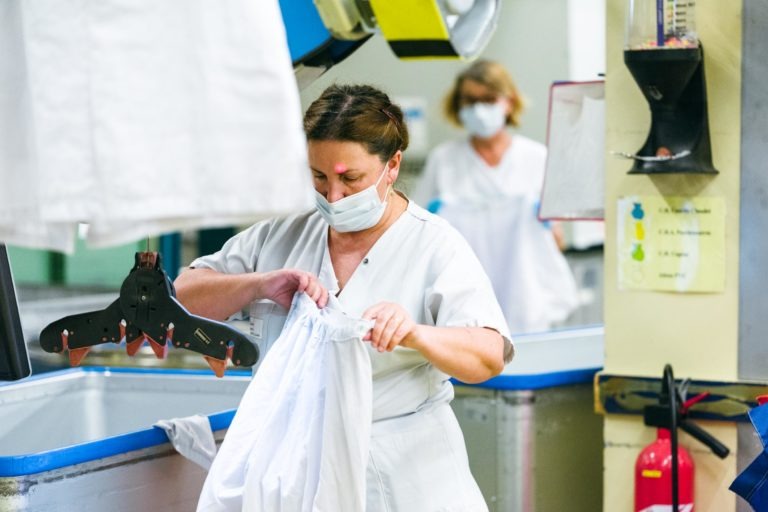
[
  {"x": 492, "y": 75},
  {"x": 358, "y": 113}
]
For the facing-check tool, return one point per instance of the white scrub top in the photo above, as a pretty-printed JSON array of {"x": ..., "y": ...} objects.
[
  {"x": 420, "y": 262},
  {"x": 495, "y": 209},
  {"x": 417, "y": 458},
  {"x": 454, "y": 171}
]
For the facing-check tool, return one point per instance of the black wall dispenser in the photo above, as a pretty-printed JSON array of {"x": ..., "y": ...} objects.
[{"x": 666, "y": 60}]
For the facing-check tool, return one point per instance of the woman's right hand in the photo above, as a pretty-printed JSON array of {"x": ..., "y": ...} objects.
[{"x": 280, "y": 286}]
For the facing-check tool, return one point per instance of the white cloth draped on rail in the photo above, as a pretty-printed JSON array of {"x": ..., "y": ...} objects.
[{"x": 142, "y": 117}]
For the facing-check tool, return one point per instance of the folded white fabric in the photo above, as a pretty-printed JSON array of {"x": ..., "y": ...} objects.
[
  {"x": 142, "y": 117},
  {"x": 192, "y": 437},
  {"x": 300, "y": 438}
]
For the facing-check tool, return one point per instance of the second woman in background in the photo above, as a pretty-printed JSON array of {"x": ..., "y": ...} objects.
[{"x": 488, "y": 186}]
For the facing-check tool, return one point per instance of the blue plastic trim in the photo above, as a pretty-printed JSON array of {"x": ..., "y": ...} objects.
[
  {"x": 120, "y": 369},
  {"x": 221, "y": 420},
  {"x": 38, "y": 376},
  {"x": 29, "y": 464},
  {"x": 160, "y": 371},
  {"x": 536, "y": 381},
  {"x": 20, "y": 465},
  {"x": 595, "y": 328}
]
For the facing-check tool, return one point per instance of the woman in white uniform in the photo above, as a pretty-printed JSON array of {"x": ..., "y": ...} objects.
[
  {"x": 387, "y": 260},
  {"x": 488, "y": 187}
]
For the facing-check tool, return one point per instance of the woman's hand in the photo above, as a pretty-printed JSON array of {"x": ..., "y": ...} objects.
[
  {"x": 393, "y": 326},
  {"x": 471, "y": 354},
  {"x": 281, "y": 285}
]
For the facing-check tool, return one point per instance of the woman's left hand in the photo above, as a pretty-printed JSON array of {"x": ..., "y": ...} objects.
[{"x": 393, "y": 326}]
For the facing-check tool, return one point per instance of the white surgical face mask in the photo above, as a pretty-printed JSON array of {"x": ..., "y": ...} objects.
[
  {"x": 357, "y": 212},
  {"x": 483, "y": 119}
]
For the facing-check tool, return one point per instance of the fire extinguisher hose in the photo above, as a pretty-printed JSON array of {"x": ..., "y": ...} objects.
[{"x": 669, "y": 383}]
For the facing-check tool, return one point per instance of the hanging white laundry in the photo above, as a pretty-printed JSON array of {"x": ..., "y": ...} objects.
[
  {"x": 454, "y": 171},
  {"x": 495, "y": 209},
  {"x": 299, "y": 440},
  {"x": 20, "y": 191},
  {"x": 531, "y": 278},
  {"x": 142, "y": 117}
]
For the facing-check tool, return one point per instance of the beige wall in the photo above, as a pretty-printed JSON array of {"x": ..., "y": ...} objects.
[{"x": 696, "y": 333}]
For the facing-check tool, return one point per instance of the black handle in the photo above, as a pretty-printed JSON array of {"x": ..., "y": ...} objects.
[
  {"x": 706, "y": 438},
  {"x": 14, "y": 360}
]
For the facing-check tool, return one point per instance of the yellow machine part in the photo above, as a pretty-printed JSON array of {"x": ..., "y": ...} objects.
[{"x": 414, "y": 28}]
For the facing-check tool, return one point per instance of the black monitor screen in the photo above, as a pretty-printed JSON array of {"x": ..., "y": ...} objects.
[{"x": 14, "y": 361}]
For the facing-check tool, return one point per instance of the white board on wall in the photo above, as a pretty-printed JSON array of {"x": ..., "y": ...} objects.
[{"x": 574, "y": 184}]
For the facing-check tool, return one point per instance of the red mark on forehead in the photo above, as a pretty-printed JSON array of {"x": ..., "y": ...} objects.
[{"x": 339, "y": 168}]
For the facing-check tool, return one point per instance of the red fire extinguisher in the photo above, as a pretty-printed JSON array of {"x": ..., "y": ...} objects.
[
  {"x": 653, "y": 476},
  {"x": 664, "y": 470}
]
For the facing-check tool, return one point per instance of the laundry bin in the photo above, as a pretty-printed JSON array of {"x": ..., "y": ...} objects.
[
  {"x": 534, "y": 441},
  {"x": 83, "y": 439}
]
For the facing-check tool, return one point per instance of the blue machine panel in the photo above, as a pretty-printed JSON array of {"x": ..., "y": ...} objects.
[{"x": 305, "y": 30}]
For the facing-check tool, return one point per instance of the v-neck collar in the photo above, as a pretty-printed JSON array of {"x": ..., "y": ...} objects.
[{"x": 327, "y": 274}]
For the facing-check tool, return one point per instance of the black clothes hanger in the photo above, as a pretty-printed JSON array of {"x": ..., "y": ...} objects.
[
  {"x": 147, "y": 310},
  {"x": 14, "y": 359}
]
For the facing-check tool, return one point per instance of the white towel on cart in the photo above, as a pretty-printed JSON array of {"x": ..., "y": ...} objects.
[{"x": 192, "y": 437}]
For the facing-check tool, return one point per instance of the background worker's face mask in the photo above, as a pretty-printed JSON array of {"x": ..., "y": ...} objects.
[
  {"x": 357, "y": 212},
  {"x": 483, "y": 119}
]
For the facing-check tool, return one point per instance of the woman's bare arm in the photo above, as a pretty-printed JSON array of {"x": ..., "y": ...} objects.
[{"x": 212, "y": 294}]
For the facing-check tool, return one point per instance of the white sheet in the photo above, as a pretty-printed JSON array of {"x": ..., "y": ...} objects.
[
  {"x": 143, "y": 117},
  {"x": 300, "y": 438},
  {"x": 495, "y": 209},
  {"x": 531, "y": 278}
]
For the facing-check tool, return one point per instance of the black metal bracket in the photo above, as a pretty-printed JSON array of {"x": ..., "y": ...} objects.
[{"x": 147, "y": 311}]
